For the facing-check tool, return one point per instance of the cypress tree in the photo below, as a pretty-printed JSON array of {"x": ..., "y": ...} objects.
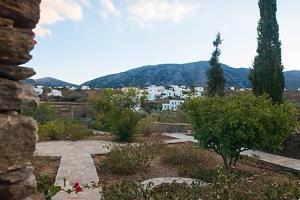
[
  {"x": 267, "y": 73},
  {"x": 215, "y": 74}
]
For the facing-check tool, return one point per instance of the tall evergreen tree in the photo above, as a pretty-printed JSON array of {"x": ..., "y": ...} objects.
[
  {"x": 215, "y": 75},
  {"x": 267, "y": 73}
]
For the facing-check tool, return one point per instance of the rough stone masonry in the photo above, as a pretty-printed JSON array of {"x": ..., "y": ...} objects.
[{"x": 18, "y": 134}]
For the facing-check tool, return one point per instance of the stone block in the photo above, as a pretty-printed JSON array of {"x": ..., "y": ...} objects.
[
  {"x": 15, "y": 96},
  {"x": 15, "y": 73},
  {"x": 16, "y": 175},
  {"x": 25, "y": 13},
  {"x": 18, "y": 136},
  {"x": 15, "y": 45},
  {"x": 20, "y": 190}
]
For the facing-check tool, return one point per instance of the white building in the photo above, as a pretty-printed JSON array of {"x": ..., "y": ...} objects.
[
  {"x": 154, "y": 92},
  {"x": 55, "y": 93},
  {"x": 39, "y": 90},
  {"x": 298, "y": 89},
  {"x": 199, "y": 91},
  {"x": 84, "y": 87},
  {"x": 73, "y": 88},
  {"x": 173, "y": 105}
]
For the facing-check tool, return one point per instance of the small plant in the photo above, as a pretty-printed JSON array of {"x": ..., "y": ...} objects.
[
  {"x": 185, "y": 155},
  {"x": 49, "y": 190},
  {"x": 146, "y": 126},
  {"x": 62, "y": 130},
  {"x": 53, "y": 130},
  {"x": 75, "y": 130},
  {"x": 128, "y": 159},
  {"x": 123, "y": 124},
  {"x": 199, "y": 173}
]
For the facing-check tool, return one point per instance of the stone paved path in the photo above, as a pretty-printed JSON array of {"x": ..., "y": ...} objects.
[
  {"x": 76, "y": 165},
  {"x": 289, "y": 163}
]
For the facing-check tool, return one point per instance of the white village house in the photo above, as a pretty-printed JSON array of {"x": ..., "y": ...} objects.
[
  {"x": 39, "y": 90},
  {"x": 84, "y": 87},
  {"x": 55, "y": 93},
  {"x": 173, "y": 105}
]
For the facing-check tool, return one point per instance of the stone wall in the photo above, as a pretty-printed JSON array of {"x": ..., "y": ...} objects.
[
  {"x": 18, "y": 134},
  {"x": 172, "y": 127},
  {"x": 291, "y": 146}
]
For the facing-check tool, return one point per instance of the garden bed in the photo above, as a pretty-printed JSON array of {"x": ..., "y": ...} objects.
[
  {"x": 45, "y": 172},
  {"x": 189, "y": 161},
  {"x": 139, "y": 138}
]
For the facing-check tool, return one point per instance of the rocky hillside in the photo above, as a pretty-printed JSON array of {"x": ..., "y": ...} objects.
[
  {"x": 181, "y": 74},
  {"x": 49, "y": 82}
]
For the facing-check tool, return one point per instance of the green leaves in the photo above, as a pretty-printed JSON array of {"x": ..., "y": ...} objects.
[
  {"x": 232, "y": 124},
  {"x": 215, "y": 75},
  {"x": 267, "y": 73}
]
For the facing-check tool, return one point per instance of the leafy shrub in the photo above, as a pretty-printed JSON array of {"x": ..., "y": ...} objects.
[
  {"x": 61, "y": 130},
  {"x": 45, "y": 186},
  {"x": 122, "y": 126},
  {"x": 128, "y": 159},
  {"x": 183, "y": 155},
  {"x": 146, "y": 126},
  {"x": 113, "y": 110},
  {"x": 53, "y": 130},
  {"x": 74, "y": 130},
  {"x": 199, "y": 173},
  {"x": 43, "y": 113},
  {"x": 232, "y": 124}
]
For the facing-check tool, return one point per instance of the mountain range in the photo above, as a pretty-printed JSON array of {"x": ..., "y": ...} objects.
[
  {"x": 190, "y": 74},
  {"x": 48, "y": 82}
]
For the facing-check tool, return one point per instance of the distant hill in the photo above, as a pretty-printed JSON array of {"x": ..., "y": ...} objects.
[
  {"x": 48, "y": 82},
  {"x": 181, "y": 74}
]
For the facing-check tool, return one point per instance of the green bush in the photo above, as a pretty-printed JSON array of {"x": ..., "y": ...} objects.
[
  {"x": 113, "y": 110},
  {"x": 62, "y": 130},
  {"x": 128, "y": 159},
  {"x": 53, "y": 130},
  {"x": 43, "y": 113},
  {"x": 146, "y": 126},
  {"x": 123, "y": 124},
  {"x": 186, "y": 155},
  {"x": 74, "y": 130},
  {"x": 232, "y": 124},
  {"x": 199, "y": 173}
]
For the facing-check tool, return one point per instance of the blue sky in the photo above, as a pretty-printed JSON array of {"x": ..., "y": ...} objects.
[{"x": 79, "y": 40}]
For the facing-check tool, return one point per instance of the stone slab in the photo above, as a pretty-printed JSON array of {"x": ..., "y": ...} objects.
[
  {"x": 25, "y": 13},
  {"x": 16, "y": 96},
  {"x": 18, "y": 135},
  {"x": 15, "y": 73},
  {"x": 16, "y": 45}
]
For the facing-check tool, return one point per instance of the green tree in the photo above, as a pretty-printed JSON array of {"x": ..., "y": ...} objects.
[
  {"x": 43, "y": 113},
  {"x": 215, "y": 75},
  {"x": 232, "y": 124},
  {"x": 267, "y": 73},
  {"x": 114, "y": 110}
]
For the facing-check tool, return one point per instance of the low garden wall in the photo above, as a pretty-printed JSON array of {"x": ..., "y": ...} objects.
[
  {"x": 173, "y": 127},
  {"x": 292, "y": 146}
]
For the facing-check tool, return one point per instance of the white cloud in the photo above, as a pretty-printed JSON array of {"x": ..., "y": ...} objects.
[
  {"x": 147, "y": 12},
  {"x": 108, "y": 8},
  {"x": 53, "y": 11}
]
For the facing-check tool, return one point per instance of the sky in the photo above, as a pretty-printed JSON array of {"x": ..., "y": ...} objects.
[{"x": 79, "y": 40}]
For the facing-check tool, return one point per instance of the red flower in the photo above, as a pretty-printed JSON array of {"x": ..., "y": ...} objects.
[
  {"x": 76, "y": 185},
  {"x": 78, "y": 189}
]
